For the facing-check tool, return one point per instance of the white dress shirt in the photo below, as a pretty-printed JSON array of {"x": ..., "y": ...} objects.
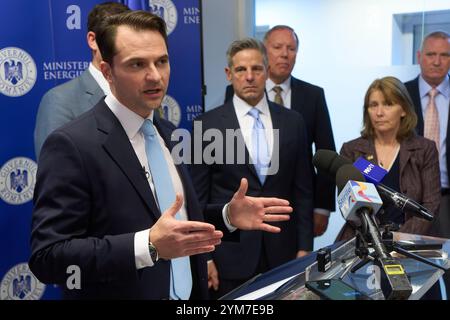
[{"x": 100, "y": 79}]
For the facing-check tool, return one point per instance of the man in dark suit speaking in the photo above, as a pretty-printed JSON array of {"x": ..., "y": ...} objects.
[
  {"x": 114, "y": 216},
  {"x": 270, "y": 151},
  {"x": 282, "y": 88}
]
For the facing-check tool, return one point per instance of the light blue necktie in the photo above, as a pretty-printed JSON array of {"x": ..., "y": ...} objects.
[
  {"x": 260, "y": 151},
  {"x": 180, "y": 271}
]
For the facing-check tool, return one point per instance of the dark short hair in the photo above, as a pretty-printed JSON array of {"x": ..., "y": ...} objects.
[
  {"x": 243, "y": 44},
  {"x": 280, "y": 27},
  {"x": 101, "y": 11},
  {"x": 138, "y": 20},
  {"x": 394, "y": 92}
]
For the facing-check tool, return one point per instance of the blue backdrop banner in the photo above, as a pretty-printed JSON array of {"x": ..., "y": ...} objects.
[{"x": 43, "y": 44}]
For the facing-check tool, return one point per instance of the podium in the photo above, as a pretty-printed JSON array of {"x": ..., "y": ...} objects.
[{"x": 287, "y": 282}]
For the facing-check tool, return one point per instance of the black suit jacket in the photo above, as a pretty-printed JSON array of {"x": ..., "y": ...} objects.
[
  {"x": 91, "y": 197},
  {"x": 413, "y": 89},
  {"x": 216, "y": 183},
  {"x": 309, "y": 101}
]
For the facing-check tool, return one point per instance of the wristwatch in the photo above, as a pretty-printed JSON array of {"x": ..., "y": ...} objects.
[{"x": 153, "y": 252}]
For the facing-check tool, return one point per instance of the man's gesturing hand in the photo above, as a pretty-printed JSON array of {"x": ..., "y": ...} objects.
[
  {"x": 252, "y": 213},
  {"x": 174, "y": 238}
]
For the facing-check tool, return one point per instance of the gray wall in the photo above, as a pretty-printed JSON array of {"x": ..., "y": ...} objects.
[{"x": 223, "y": 22}]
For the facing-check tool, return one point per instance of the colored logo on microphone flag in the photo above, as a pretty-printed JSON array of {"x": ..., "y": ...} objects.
[
  {"x": 362, "y": 191},
  {"x": 355, "y": 195}
]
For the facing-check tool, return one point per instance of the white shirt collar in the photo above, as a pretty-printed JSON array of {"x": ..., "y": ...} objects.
[
  {"x": 242, "y": 108},
  {"x": 285, "y": 85},
  {"x": 443, "y": 87},
  {"x": 100, "y": 79},
  {"x": 130, "y": 121}
]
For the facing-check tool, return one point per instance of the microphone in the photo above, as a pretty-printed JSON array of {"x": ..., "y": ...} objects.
[
  {"x": 354, "y": 195},
  {"x": 375, "y": 175},
  {"x": 329, "y": 161},
  {"x": 359, "y": 200},
  {"x": 146, "y": 173}
]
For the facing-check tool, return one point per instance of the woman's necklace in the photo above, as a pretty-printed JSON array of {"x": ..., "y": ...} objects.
[{"x": 387, "y": 154}]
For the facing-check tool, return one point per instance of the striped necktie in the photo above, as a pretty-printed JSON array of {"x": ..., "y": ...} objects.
[
  {"x": 278, "y": 97},
  {"x": 431, "y": 121}
]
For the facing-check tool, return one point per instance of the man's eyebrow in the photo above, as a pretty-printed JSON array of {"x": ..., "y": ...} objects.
[
  {"x": 138, "y": 58},
  {"x": 164, "y": 56}
]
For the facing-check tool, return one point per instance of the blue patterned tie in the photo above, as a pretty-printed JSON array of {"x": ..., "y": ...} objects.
[
  {"x": 260, "y": 151},
  {"x": 180, "y": 271}
]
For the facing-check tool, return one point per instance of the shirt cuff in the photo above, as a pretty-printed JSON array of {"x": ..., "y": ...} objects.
[
  {"x": 141, "y": 253},
  {"x": 229, "y": 226},
  {"x": 323, "y": 212}
]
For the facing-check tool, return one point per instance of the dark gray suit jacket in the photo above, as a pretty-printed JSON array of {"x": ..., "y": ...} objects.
[
  {"x": 64, "y": 103},
  {"x": 216, "y": 184},
  {"x": 309, "y": 101}
]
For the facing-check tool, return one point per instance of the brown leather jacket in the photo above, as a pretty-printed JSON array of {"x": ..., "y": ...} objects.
[{"x": 419, "y": 178}]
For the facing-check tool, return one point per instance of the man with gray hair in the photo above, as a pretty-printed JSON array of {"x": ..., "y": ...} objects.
[
  {"x": 430, "y": 92},
  {"x": 282, "y": 46},
  {"x": 274, "y": 137}
]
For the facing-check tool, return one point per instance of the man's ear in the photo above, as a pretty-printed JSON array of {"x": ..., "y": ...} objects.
[
  {"x": 106, "y": 70},
  {"x": 92, "y": 43},
  {"x": 228, "y": 73},
  {"x": 418, "y": 56}
]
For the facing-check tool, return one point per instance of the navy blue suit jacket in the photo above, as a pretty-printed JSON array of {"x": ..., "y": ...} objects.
[
  {"x": 309, "y": 101},
  {"x": 91, "y": 197},
  {"x": 216, "y": 184}
]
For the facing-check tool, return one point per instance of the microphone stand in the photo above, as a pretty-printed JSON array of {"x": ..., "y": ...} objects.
[
  {"x": 391, "y": 245},
  {"x": 364, "y": 242},
  {"x": 393, "y": 279}
]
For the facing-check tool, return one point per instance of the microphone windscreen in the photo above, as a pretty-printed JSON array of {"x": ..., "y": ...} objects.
[
  {"x": 345, "y": 173},
  {"x": 338, "y": 163},
  {"x": 329, "y": 161}
]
